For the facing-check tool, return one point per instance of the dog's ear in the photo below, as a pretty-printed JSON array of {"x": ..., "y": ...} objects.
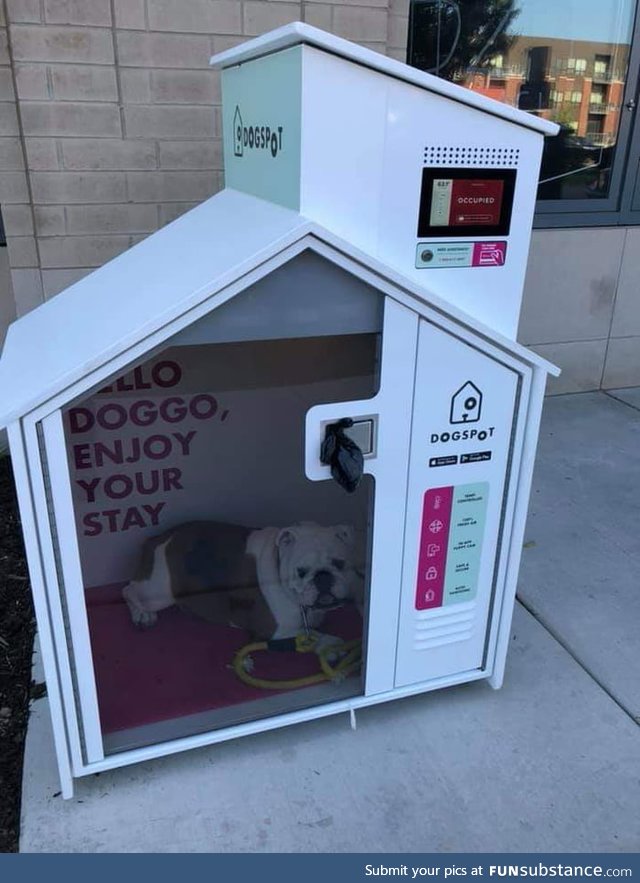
[
  {"x": 344, "y": 532},
  {"x": 285, "y": 539}
]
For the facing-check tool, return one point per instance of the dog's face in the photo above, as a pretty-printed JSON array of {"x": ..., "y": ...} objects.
[{"x": 316, "y": 563}]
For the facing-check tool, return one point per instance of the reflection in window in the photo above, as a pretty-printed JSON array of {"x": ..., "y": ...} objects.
[
  {"x": 601, "y": 65},
  {"x": 564, "y": 62}
]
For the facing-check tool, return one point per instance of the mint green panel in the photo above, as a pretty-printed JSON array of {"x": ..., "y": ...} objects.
[
  {"x": 468, "y": 516},
  {"x": 261, "y": 123}
]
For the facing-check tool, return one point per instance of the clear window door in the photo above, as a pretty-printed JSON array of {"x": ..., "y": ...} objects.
[{"x": 199, "y": 532}]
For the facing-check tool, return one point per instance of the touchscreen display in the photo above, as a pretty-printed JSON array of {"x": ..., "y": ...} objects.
[
  {"x": 463, "y": 203},
  {"x": 466, "y": 202}
]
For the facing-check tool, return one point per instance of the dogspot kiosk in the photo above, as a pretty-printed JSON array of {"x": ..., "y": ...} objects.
[{"x": 273, "y": 463}]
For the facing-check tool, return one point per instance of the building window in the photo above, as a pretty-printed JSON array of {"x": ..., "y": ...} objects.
[
  {"x": 574, "y": 63},
  {"x": 601, "y": 66}
]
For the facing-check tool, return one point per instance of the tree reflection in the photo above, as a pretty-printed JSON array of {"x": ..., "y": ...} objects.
[
  {"x": 577, "y": 82},
  {"x": 451, "y": 37}
]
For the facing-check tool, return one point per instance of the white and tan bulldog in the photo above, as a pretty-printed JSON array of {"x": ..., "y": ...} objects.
[{"x": 273, "y": 581}]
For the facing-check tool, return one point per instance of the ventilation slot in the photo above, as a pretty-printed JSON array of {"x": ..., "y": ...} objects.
[
  {"x": 435, "y": 628},
  {"x": 478, "y": 157}
]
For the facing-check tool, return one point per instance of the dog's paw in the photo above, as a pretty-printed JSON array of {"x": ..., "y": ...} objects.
[{"x": 143, "y": 619}]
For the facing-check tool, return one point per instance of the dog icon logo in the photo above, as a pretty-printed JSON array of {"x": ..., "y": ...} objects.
[
  {"x": 466, "y": 404},
  {"x": 237, "y": 133}
]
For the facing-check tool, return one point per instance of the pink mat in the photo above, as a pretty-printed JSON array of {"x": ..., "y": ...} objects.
[{"x": 180, "y": 666}]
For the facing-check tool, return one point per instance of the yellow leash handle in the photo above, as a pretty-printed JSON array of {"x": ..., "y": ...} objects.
[{"x": 350, "y": 654}]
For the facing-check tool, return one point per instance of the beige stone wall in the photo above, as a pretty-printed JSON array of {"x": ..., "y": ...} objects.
[
  {"x": 116, "y": 126},
  {"x": 581, "y": 306}
]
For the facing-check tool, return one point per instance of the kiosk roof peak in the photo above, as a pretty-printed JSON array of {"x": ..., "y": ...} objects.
[{"x": 298, "y": 33}]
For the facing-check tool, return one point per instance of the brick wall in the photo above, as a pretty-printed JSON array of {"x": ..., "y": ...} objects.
[{"x": 115, "y": 130}]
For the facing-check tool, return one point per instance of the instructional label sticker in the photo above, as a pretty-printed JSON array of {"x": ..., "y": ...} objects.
[
  {"x": 489, "y": 254},
  {"x": 434, "y": 255},
  {"x": 453, "y": 520},
  {"x": 436, "y": 520}
]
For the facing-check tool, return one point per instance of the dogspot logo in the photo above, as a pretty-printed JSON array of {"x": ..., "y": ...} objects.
[
  {"x": 466, "y": 407},
  {"x": 255, "y": 137},
  {"x": 462, "y": 435},
  {"x": 466, "y": 404}
]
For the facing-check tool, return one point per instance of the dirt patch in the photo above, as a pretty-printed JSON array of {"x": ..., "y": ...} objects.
[{"x": 17, "y": 628}]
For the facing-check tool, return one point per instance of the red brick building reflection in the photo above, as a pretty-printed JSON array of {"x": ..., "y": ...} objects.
[{"x": 579, "y": 84}]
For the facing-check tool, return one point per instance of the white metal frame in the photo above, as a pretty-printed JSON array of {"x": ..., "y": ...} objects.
[
  {"x": 73, "y": 587},
  {"x": 520, "y": 489},
  {"x": 393, "y": 403},
  {"x": 73, "y": 761},
  {"x": 52, "y": 592},
  {"x": 61, "y": 737},
  {"x": 505, "y": 549},
  {"x": 163, "y": 749}
]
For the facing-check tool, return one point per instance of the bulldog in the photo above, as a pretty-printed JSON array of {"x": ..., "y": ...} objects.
[{"x": 274, "y": 582}]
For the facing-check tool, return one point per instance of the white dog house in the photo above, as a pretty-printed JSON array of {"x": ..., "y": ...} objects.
[{"x": 366, "y": 261}]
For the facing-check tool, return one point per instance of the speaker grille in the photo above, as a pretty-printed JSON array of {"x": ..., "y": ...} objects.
[{"x": 479, "y": 157}]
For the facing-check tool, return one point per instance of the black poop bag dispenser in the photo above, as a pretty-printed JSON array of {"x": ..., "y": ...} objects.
[{"x": 342, "y": 455}]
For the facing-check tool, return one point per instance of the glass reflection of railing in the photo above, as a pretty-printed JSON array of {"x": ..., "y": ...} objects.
[
  {"x": 560, "y": 69},
  {"x": 600, "y": 139},
  {"x": 606, "y": 76},
  {"x": 499, "y": 73},
  {"x": 560, "y": 66},
  {"x": 602, "y": 107}
]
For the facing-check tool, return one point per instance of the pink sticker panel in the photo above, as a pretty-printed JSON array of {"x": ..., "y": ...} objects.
[
  {"x": 489, "y": 254},
  {"x": 434, "y": 538}
]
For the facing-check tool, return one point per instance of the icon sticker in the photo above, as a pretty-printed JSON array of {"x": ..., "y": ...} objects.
[
  {"x": 237, "y": 133},
  {"x": 466, "y": 404},
  {"x": 450, "y": 567},
  {"x": 489, "y": 254},
  {"x": 432, "y": 554}
]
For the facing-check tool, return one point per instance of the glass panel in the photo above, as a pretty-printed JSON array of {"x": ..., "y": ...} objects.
[
  {"x": 199, "y": 532},
  {"x": 565, "y": 62}
]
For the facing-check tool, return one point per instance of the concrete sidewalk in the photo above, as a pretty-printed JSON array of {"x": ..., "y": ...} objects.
[{"x": 549, "y": 763}]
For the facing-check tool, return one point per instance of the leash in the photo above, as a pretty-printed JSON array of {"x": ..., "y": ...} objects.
[{"x": 348, "y": 654}]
